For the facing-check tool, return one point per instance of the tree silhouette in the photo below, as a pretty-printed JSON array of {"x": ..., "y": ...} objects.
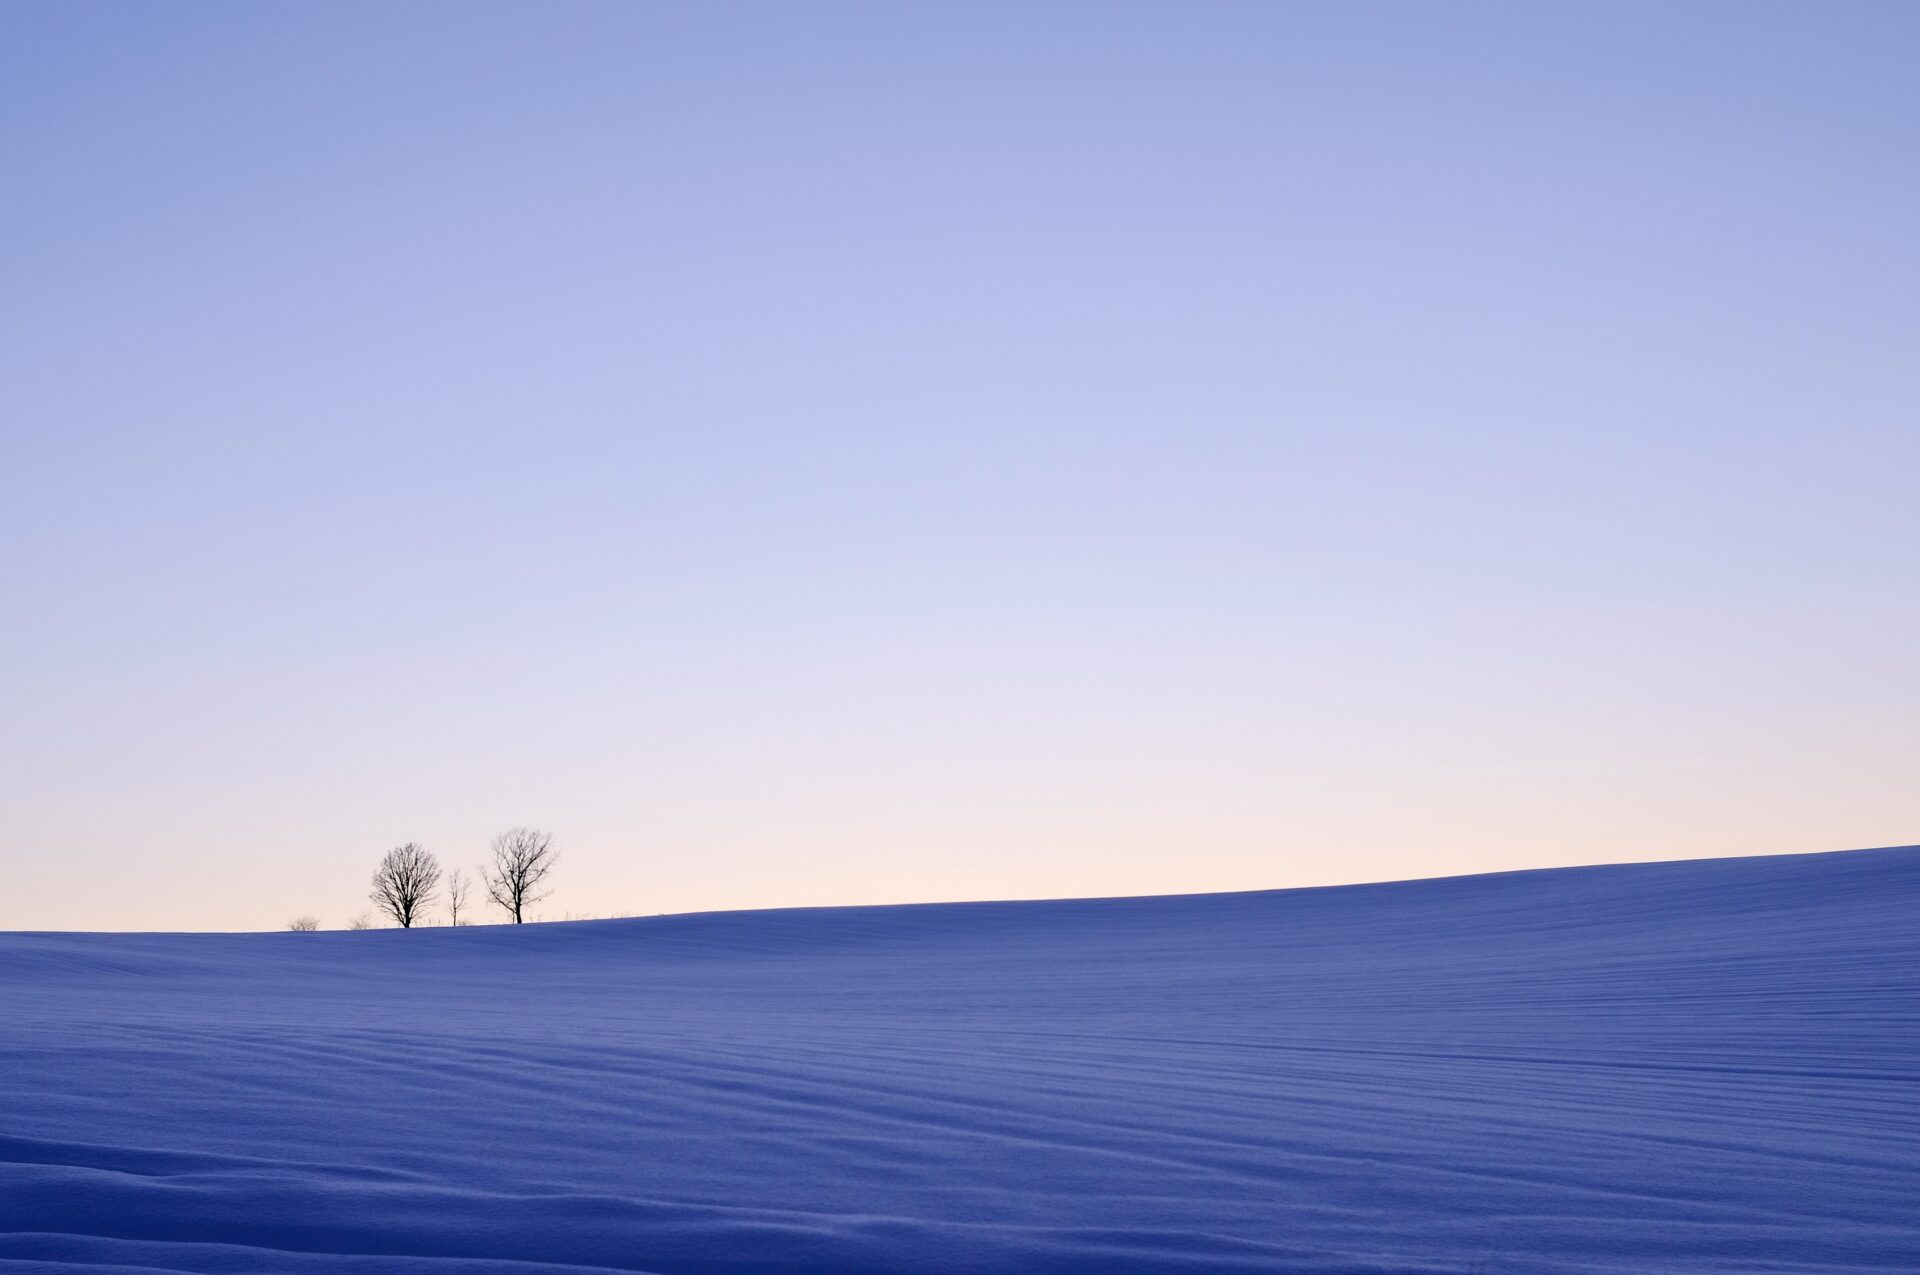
[
  {"x": 522, "y": 857},
  {"x": 405, "y": 883},
  {"x": 459, "y": 890}
]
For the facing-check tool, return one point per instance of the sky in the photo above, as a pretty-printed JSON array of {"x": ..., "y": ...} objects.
[{"x": 829, "y": 454}]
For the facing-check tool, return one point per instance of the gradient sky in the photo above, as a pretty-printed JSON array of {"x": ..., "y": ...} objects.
[{"x": 833, "y": 454}]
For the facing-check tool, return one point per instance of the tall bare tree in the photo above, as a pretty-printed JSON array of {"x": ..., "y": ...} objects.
[
  {"x": 522, "y": 857},
  {"x": 459, "y": 890},
  {"x": 405, "y": 883}
]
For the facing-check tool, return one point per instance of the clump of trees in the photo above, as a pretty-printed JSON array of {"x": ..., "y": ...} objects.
[{"x": 409, "y": 881}]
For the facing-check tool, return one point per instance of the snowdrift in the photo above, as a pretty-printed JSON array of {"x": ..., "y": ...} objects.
[{"x": 1704, "y": 1066}]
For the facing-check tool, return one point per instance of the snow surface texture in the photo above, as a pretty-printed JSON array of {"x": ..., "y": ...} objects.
[{"x": 1701, "y": 1066}]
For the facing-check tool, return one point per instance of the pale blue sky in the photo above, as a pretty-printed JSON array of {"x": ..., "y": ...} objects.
[{"x": 819, "y": 453}]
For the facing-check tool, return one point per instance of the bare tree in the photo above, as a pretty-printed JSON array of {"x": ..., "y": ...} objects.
[
  {"x": 362, "y": 922},
  {"x": 304, "y": 924},
  {"x": 459, "y": 889},
  {"x": 405, "y": 883},
  {"x": 522, "y": 857}
]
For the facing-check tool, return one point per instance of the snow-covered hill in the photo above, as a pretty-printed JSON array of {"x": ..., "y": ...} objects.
[{"x": 1709, "y": 1066}]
